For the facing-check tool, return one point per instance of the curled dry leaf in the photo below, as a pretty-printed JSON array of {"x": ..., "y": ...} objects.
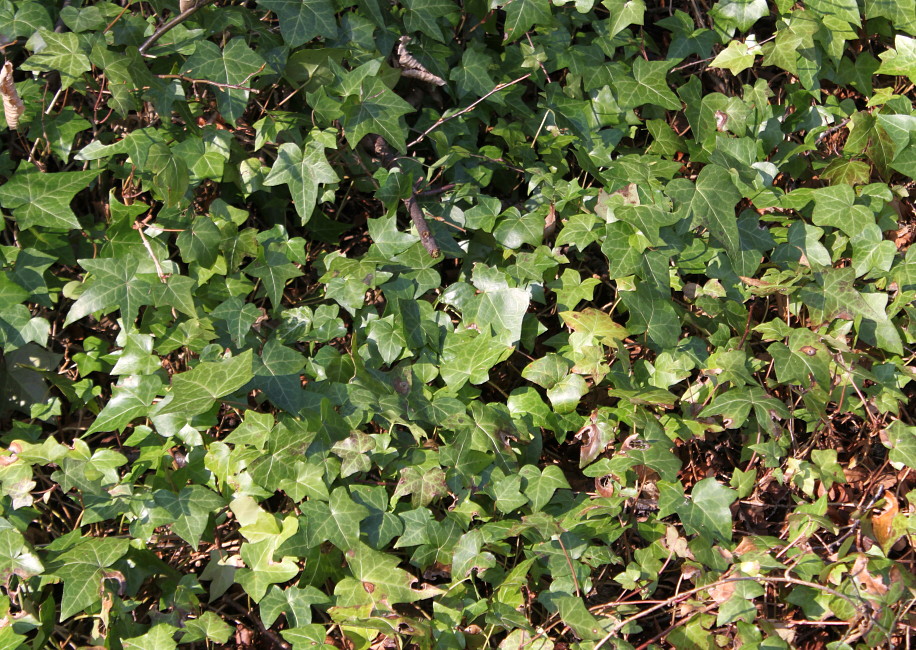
[
  {"x": 410, "y": 67},
  {"x": 872, "y": 585},
  {"x": 882, "y": 523},
  {"x": 13, "y": 108}
]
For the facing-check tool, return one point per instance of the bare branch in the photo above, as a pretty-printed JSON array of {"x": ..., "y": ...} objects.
[
  {"x": 467, "y": 109},
  {"x": 177, "y": 20}
]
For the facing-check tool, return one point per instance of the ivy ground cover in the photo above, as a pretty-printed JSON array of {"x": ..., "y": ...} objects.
[{"x": 435, "y": 324}]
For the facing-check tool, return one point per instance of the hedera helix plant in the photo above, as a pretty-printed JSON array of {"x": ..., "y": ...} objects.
[{"x": 457, "y": 325}]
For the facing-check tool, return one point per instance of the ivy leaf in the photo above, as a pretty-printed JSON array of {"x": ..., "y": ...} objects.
[
  {"x": 302, "y": 20},
  {"x": 302, "y": 170},
  {"x": 207, "y": 626},
  {"x": 200, "y": 242},
  {"x": 234, "y": 65},
  {"x": 713, "y": 203},
  {"x": 473, "y": 76},
  {"x": 61, "y": 52},
  {"x": 705, "y": 512},
  {"x": 190, "y": 509},
  {"x": 735, "y": 58},
  {"x": 648, "y": 85},
  {"x": 38, "y": 199},
  {"x": 130, "y": 399},
  {"x": 274, "y": 270},
  {"x": 196, "y": 391},
  {"x": 739, "y": 13},
  {"x": 175, "y": 292},
  {"x": 423, "y": 16},
  {"x": 378, "y": 577},
  {"x": 501, "y": 311},
  {"x": 423, "y": 486},
  {"x": 160, "y": 637},
  {"x": 522, "y": 14},
  {"x": 294, "y": 602},
  {"x": 16, "y": 557},
  {"x": 336, "y": 521},
  {"x": 263, "y": 570},
  {"x": 468, "y": 355},
  {"x": 540, "y": 487},
  {"x": 113, "y": 284},
  {"x": 736, "y": 404},
  {"x": 901, "y": 59},
  {"x": 83, "y": 570},
  {"x": 376, "y": 110}
]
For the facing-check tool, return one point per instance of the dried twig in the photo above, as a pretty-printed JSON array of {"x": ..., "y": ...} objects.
[
  {"x": 467, "y": 109},
  {"x": 177, "y": 20},
  {"x": 380, "y": 148},
  {"x": 426, "y": 236},
  {"x": 216, "y": 83}
]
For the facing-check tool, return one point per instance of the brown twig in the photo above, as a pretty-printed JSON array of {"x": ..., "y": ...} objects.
[
  {"x": 687, "y": 594},
  {"x": 378, "y": 145},
  {"x": 466, "y": 109},
  {"x": 177, "y": 20},
  {"x": 218, "y": 84},
  {"x": 426, "y": 236}
]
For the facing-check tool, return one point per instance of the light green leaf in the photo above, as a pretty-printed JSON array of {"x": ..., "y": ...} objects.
[
  {"x": 468, "y": 355},
  {"x": 381, "y": 581},
  {"x": 61, "y": 52},
  {"x": 197, "y": 390},
  {"x": 160, "y": 637},
  {"x": 206, "y": 627},
  {"x": 901, "y": 59},
  {"x": 735, "y": 58},
  {"x": 112, "y": 284}
]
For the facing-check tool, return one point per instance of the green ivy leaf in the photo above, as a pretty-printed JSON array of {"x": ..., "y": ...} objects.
[
  {"x": 302, "y": 170},
  {"x": 235, "y": 65},
  {"x": 705, "y": 512},
  {"x": 197, "y": 390},
  {"x": 648, "y": 85},
  {"x": 375, "y": 109},
  {"x": 83, "y": 570},
  {"x": 60, "y": 52},
  {"x": 38, "y": 199},
  {"x": 303, "y": 20},
  {"x": 113, "y": 284},
  {"x": 190, "y": 510},
  {"x": 713, "y": 204}
]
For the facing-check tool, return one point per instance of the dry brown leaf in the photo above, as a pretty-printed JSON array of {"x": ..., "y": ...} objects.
[
  {"x": 13, "y": 108},
  {"x": 873, "y": 585},
  {"x": 883, "y": 523},
  {"x": 721, "y": 593}
]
